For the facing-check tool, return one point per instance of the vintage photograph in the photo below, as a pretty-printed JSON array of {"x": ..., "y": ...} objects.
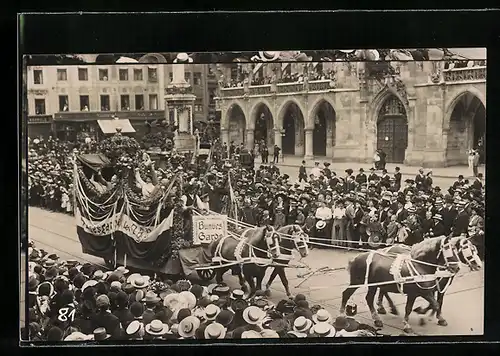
[{"x": 271, "y": 194}]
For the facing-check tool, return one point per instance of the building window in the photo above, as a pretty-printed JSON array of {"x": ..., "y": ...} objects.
[
  {"x": 38, "y": 76},
  {"x": 139, "y": 102},
  {"x": 83, "y": 74},
  {"x": 123, "y": 74},
  {"x": 125, "y": 102},
  {"x": 187, "y": 77},
  {"x": 63, "y": 103},
  {"x": 40, "y": 106},
  {"x": 138, "y": 74},
  {"x": 197, "y": 78},
  {"x": 84, "y": 102},
  {"x": 62, "y": 75},
  {"x": 152, "y": 75},
  {"x": 171, "y": 77},
  {"x": 105, "y": 103},
  {"x": 153, "y": 102},
  {"x": 198, "y": 108},
  {"x": 103, "y": 74}
]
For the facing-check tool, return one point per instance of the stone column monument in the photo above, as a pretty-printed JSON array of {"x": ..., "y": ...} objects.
[{"x": 179, "y": 106}]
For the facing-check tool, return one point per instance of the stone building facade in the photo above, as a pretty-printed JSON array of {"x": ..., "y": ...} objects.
[{"x": 419, "y": 113}]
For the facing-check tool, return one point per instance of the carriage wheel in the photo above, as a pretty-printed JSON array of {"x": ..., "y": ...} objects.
[{"x": 206, "y": 274}]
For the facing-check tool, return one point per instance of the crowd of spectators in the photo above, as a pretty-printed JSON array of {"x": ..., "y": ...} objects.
[{"x": 75, "y": 301}]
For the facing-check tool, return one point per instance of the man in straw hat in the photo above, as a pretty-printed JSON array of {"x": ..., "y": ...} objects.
[
  {"x": 301, "y": 326},
  {"x": 187, "y": 327},
  {"x": 156, "y": 330},
  {"x": 438, "y": 227},
  {"x": 215, "y": 331},
  {"x": 322, "y": 329}
]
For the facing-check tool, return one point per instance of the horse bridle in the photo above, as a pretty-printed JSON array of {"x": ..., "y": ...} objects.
[
  {"x": 449, "y": 253},
  {"x": 469, "y": 251},
  {"x": 272, "y": 241}
]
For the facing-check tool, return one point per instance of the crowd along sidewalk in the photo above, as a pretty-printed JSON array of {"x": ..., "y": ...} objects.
[{"x": 340, "y": 167}]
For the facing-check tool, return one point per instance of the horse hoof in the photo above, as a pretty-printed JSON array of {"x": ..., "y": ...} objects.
[
  {"x": 408, "y": 330},
  {"x": 379, "y": 323},
  {"x": 381, "y": 310},
  {"x": 442, "y": 322},
  {"x": 394, "y": 311},
  {"x": 419, "y": 310}
]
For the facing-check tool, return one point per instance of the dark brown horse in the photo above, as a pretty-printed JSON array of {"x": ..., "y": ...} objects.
[
  {"x": 378, "y": 269},
  {"x": 467, "y": 254},
  {"x": 292, "y": 238},
  {"x": 260, "y": 242}
]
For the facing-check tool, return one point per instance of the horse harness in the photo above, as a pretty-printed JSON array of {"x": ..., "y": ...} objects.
[{"x": 416, "y": 277}]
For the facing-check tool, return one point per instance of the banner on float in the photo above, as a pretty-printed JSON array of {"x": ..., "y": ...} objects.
[
  {"x": 123, "y": 223},
  {"x": 208, "y": 228}
]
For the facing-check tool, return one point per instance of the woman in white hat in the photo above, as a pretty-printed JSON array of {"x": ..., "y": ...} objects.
[
  {"x": 188, "y": 326},
  {"x": 301, "y": 326},
  {"x": 322, "y": 316},
  {"x": 215, "y": 331}
]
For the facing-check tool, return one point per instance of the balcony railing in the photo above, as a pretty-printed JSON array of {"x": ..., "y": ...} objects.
[
  {"x": 260, "y": 89},
  {"x": 95, "y": 115},
  {"x": 227, "y": 92},
  {"x": 39, "y": 119},
  {"x": 289, "y": 87},
  {"x": 320, "y": 85},
  {"x": 464, "y": 74}
]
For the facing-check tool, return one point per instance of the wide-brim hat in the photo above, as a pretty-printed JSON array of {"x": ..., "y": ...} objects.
[
  {"x": 100, "y": 334},
  {"x": 156, "y": 328},
  {"x": 320, "y": 224},
  {"x": 173, "y": 301},
  {"x": 78, "y": 336},
  {"x": 302, "y": 325},
  {"x": 268, "y": 56},
  {"x": 211, "y": 311},
  {"x": 215, "y": 331},
  {"x": 139, "y": 281},
  {"x": 323, "y": 329},
  {"x": 151, "y": 297},
  {"x": 189, "y": 299},
  {"x": 239, "y": 305},
  {"x": 251, "y": 334},
  {"x": 188, "y": 326},
  {"x": 253, "y": 315},
  {"x": 237, "y": 294},
  {"x": 121, "y": 270},
  {"x": 133, "y": 327},
  {"x": 322, "y": 316}
]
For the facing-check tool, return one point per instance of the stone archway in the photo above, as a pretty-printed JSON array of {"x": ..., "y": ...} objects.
[
  {"x": 293, "y": 136},
  {"x": 264, "y": 124},
  {"x": 236, "y": 122},
  {"x": 392, "y": 129},
  {"x": 324, "y": 131},
  {"x": 467, "y": 129}
]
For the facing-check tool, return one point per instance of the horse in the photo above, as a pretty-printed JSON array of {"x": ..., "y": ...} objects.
[
  {"x": 469, "y": 256},
  {"x": 376, "y": 267},
  {"x": 292, "y": 238},
  {"x": 260, "y": 242}
]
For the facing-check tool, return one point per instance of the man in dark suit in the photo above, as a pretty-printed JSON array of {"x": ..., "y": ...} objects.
[
  {"x": 373, "y": 176},
  {"x": 461, "y": 222},
  {"x": 420, "y": 179},
  {"x": 326, "y": 171},
  {"x": 302, "y": 172},
  {"x": 449, "y": 213},
  {"x": 215, "y": 194},
  {"x": 459, "y": 183},
  {"x": 361, "y": 177},
  {"x": 438, "y": 227},
  {"x": 385, "y": 180},
  {"x": 401, "y": 213},
  {"x": 383, "y": 214},
  {"x": 478, "y": 182},
  {"x": 397, "y": 179},
  {"x": 102, "y": 318}
]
